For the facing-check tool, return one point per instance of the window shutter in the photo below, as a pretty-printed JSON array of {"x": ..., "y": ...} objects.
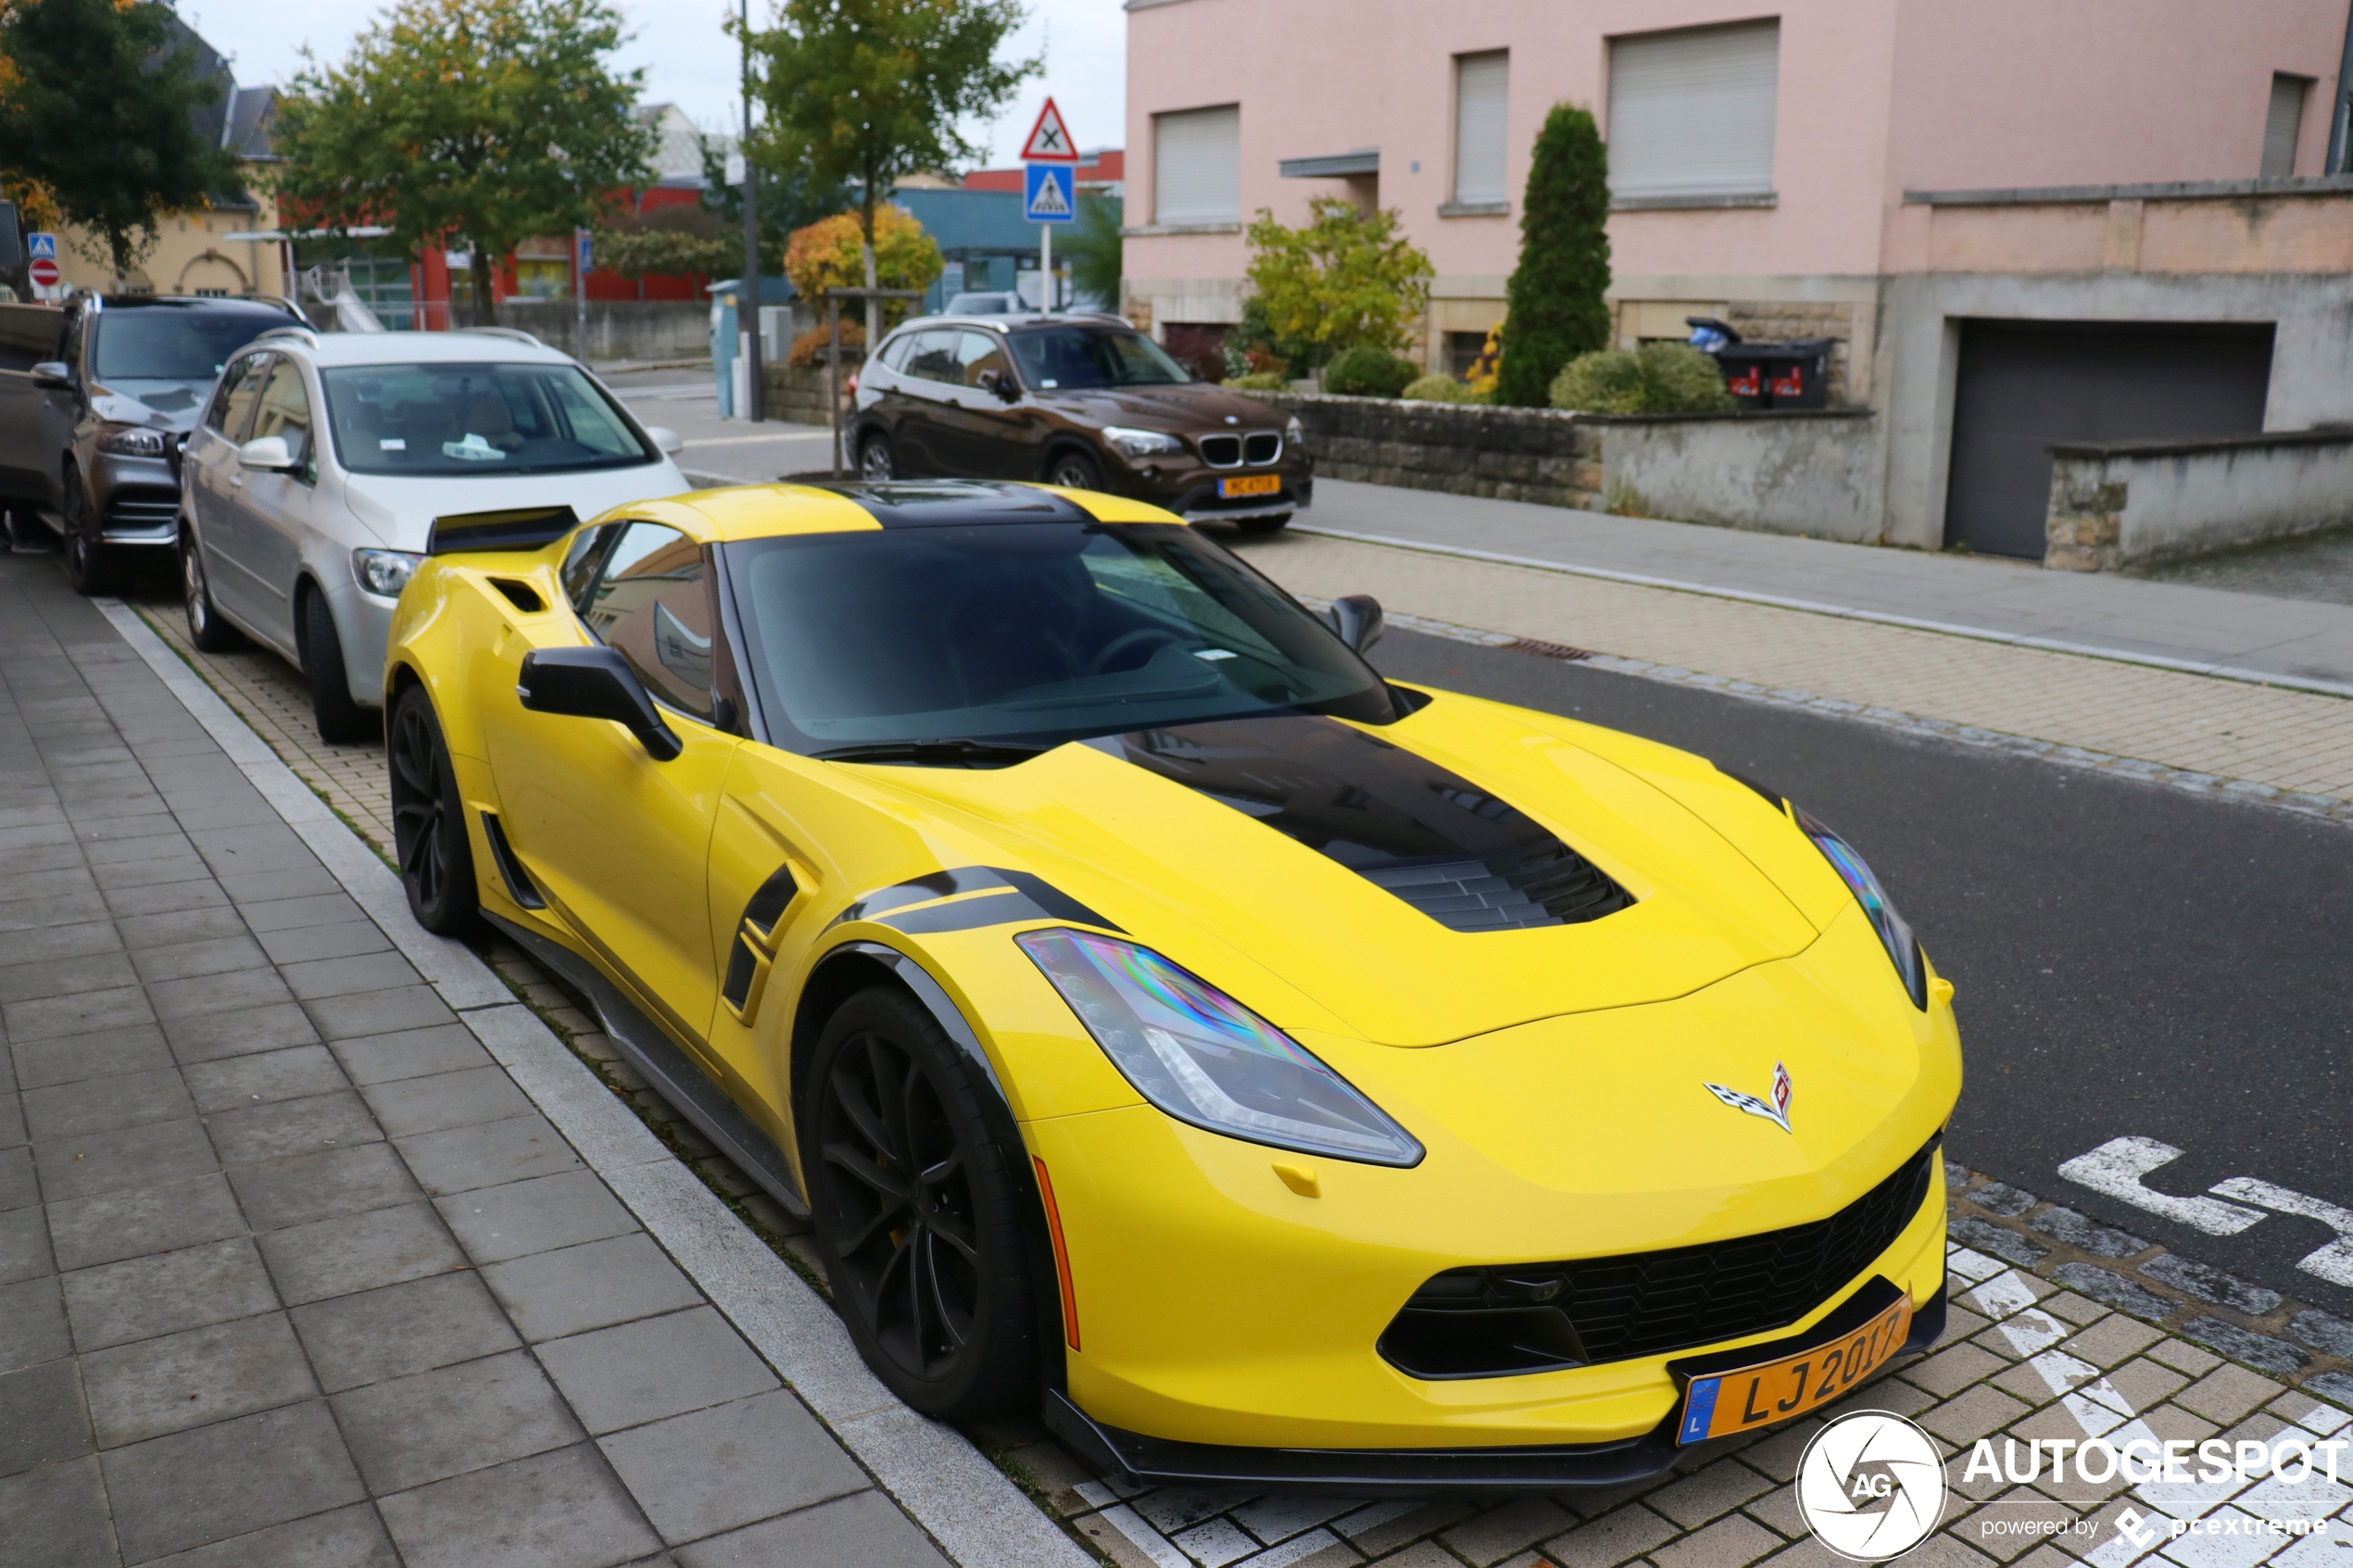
[
  {"x": 2281, "y": 125},
  {"x": 1481, "y": 105},
  {"x": 1197, "y": 166},
  {"x": 1690, "y": 112}
]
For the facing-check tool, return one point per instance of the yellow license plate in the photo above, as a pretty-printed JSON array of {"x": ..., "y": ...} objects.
[
  {"x": 1751, "y": 1398},
  {"x": 1253, "y": 484}
]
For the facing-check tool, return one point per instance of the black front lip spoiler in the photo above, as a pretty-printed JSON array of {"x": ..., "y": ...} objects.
[{"x": 1366, "y": 1473}]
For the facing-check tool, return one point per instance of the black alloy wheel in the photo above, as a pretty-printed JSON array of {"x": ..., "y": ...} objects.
[
  {"x": 917, "y": 1213},
  {"x": 1074, "y": 469},
  {"x": 429, "y": 821},
  {"x": 91, "y": 563},
  {"x": 877, "y": 461},
  {"x": 340, "y": 719},
  {"x": 206, "y": 629}
]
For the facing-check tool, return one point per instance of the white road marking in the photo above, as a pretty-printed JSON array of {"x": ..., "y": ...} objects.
[
  {"x": 2333, "y": 1262},
  {"x": 2116, "y": 1168}
]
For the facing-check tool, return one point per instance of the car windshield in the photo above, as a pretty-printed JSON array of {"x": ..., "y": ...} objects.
[
  {"x": 1026, "y": 635},
  {"x": 175, "y": 341},
  {"x": 983, "y": 305},
  {"x": 476, "y": 419},
  {"x": 1073, "y": 358}
]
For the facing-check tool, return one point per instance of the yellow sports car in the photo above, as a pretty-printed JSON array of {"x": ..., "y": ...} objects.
[{"x": 1279, "y": 1074}]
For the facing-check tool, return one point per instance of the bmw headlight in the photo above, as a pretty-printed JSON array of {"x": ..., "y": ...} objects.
[
  {"x": 385, "y": 572},
  {"x": 1294, "y": 433},
  {"x": 1142, "y": 443},
  {"x": 1893, "y": 931},
  {"x": 130, "y": 440},
  {"x": 1205, "y": 1059}
]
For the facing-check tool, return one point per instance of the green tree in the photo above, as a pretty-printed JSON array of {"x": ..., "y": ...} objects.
[
  {"x": 867, "y": 91},
  {"x": 492, "y": 121},
  {"x": 98, "y": 109},
  {"x": 789, "y": 199},
  {"x": 1553, "y": 304},
  {"x": 1096, "y": 251},
  {"x": 1345, "y": 278}
]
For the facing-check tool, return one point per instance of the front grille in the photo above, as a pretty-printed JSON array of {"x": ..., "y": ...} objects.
[
  {"x": 1262, "y": 446},
  {"x": 142, "y": 509},
  {"x": 1548, "y": 884},
  {"x": 1221, "y": 451},
  {"x": 1505, "y": 1320}
]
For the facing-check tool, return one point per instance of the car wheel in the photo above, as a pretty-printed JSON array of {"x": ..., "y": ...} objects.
[
  {"x": 1261, "y": 524},
  {"x": 340, "y": 719},
  {"x": 90, "y": 567},
  {"x": 206, "y": 629},
  {"x": 877, "y": 461},
  {"x": 917, "y": 1213},
  {"x": 429, "y": 821},
  {"x": 1073, "y": 470}
]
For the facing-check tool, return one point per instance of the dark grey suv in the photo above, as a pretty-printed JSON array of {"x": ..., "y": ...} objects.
[{"x": 96, "y": 399}]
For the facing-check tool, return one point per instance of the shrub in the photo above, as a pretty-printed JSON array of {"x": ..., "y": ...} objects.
[
  {"x": 1260, "y": 381},
  {"x": 1346, "y": 276},
  {"x": 1659, "y": 378},
  {"x": 830, "y": 254},
  {"x": 1368, "y": 371},
  {"x": 1554, "y": 297},
  {"x": 1442, "y": 389},
  {"x": 809, "y": 349}
]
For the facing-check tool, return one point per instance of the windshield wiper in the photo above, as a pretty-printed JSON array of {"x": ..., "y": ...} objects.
[{"x": 970, "y": 753}]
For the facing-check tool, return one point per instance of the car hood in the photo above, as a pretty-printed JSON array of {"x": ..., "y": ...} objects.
[
  {"x": 1190, "y": 406},
  {"x": 158, "y": 405},
  {"x": 1246, "y": 851},
  {"x": 399, "y": 509}
]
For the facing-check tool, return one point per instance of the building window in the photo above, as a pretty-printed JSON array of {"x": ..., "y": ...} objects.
[
  {"x": 2280, "y": 126},
  {"x": 1482, "y": 134},
  {"x": 1197, "y": 166},
  {"x": 1690, "y": 112}
]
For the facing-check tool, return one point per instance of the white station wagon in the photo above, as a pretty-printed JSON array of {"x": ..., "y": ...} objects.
[{"x": 310, "y": 486}]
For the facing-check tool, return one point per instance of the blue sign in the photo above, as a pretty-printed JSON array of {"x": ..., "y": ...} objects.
[
  {"x": 1050, "y": 193},
  {"x": 587, "y": 249},
  {"x": 41, "y": 248}
]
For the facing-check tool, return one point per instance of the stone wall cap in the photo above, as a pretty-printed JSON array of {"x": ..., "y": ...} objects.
[
  {"x": 2169, "y": 190},
  {"x": 2319, "y": 435}
]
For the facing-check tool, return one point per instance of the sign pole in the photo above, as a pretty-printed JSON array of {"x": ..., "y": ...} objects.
[
  {"x": 580, "y": 295},
  {"x": 1046, "y": 263}
]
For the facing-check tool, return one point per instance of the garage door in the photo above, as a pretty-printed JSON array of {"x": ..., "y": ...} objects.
[{"x": 2026, "y": 386}]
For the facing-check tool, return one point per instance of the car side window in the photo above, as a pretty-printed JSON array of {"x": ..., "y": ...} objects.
[
  {"x": 283, "y": 410},
  {"x": 650, "y": 605},
  {"x": 979, "y": 354},
  {"x": 895, "y": 352},
  {"x": 933, "y": 357},
  {"x": 581, "y": 561},
  {"x": 234, "y": 400}
]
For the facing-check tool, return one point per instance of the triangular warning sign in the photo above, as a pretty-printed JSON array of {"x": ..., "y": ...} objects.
[
  {"x": 1051, "y": 202},
  {"x": 1049, "y": 139}
]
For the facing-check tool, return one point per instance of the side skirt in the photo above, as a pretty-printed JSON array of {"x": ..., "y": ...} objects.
[{"x": 673, "y": 1073}]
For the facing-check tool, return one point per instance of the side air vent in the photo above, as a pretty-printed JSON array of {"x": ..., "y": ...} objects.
[
  {"x": 523, "y": 595},
  {"x": 520, "y": 886},
  {"x": 743, "y": 965},
  {"x": 768, "y": 905},
  {"x": 749, "y": 956}
]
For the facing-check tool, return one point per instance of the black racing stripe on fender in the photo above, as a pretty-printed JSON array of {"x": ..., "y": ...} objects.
[
  {"x": 949, "y": 503},
  {"x": 1037, "y": 899},
  {"x": 919, "y": 890},
  {"x": 1001, "y": 908},
  {"x": 1460, "y": 855}
]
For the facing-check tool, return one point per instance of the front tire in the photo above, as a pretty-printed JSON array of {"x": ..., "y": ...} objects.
[
  {"x": 1073, "y": 470},
  {"x": 429, "y": 835},
  {"x": 877, "y": 463},
  {"x": 91, "y": 566},
  {"x": 341, "y": 721},
  {"x": 918, "y": 1212},
  {"x": 206, "y": 631}
]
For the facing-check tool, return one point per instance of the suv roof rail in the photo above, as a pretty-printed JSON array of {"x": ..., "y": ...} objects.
[
  {"x": 515, "y": 333},
  {"x": 302, "y": 334}
]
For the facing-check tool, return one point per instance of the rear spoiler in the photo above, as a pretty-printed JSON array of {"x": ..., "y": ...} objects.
[{"x": 523, "y": 527}]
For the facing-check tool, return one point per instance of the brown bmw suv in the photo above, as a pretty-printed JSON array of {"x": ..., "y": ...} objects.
[{"x": 1085, "y": 401}]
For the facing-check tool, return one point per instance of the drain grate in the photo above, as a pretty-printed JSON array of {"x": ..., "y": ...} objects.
[{"x": 1550, "y": 650}]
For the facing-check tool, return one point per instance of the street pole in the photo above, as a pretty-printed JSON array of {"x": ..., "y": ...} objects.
[
  {"x": 755, "y": 393},
  {"x": 580, "y": 295},
  {"x": 1046, "y": 263}
]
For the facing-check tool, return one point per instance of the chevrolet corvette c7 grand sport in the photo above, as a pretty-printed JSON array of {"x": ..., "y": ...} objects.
[{"x": 1271, "y": 1071}]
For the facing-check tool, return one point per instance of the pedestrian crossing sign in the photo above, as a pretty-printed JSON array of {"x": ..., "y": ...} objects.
[
  {"x": 41, "y": 248},
  {"x": 1051, "y": 194}
]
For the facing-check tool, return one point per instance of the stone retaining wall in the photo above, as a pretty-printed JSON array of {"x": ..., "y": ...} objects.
[{"x": 2121, "y": 502}]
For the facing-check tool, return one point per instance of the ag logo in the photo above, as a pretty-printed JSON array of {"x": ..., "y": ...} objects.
[{"x": 1871, "y": 1485}]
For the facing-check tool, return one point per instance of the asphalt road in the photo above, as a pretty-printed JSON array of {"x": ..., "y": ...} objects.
[
  {"x": 729, "y": 450},
  {"x": 2127, "y": 960}
]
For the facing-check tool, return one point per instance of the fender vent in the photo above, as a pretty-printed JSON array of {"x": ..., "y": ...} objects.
[
  {"x": 521, "y": 595},
  {"x": 520, "y": 886}
]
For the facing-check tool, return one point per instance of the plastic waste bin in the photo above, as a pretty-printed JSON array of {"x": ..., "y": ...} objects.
[{"x": 1794, "y": 374}]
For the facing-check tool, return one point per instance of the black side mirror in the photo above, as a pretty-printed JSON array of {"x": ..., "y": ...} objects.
[
  {"x": 1358, "y": 620},
  {"x": 52, "y": 375},
  {"x": 1002, "y": 384},
  {"x": 595, "y": 682}
]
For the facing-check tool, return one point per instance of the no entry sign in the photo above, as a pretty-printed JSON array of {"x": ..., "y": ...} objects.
[{"x": 45, "y": 272}]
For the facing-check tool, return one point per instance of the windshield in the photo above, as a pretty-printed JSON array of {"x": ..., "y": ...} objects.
[
  {"x": 476, "y": 419},
  {"x": 1068, "y": 359},
  {"x": 1026, "y": 634},
  {"x": 174, "y": 343}
]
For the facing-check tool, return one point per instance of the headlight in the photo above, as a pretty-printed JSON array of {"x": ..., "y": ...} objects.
[
  {"x": 129, "y": 441},
  {"x": 1141, "y": 443},
  {"x": 385, "y": 572},
  {"x": 1205, "y": 1059},
  {"x": 1294, "y": 433},
  {"x": 1892, "y": 929}
]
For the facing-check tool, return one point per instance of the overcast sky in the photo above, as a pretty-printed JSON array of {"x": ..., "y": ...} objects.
[{"x": 690, "y": 61}]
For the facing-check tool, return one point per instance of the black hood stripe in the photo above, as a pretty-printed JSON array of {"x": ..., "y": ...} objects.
[
  {"x": 949, "y": 503},
  {"x": 1462, "y": 856}
]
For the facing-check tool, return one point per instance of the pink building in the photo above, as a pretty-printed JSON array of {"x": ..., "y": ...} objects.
[{"x": 2119, "y": 208}]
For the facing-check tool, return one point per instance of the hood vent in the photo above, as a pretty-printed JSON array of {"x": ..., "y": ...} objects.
[{"x": 1464, "y": 858}]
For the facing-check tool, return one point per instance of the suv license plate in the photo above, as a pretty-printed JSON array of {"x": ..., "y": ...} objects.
[
  {"x": 1251, "y": 484},
  {"x": 1750, "y": 1399}
]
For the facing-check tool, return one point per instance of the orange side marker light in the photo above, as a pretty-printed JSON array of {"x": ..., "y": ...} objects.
[{"x": 1061, "y": 1253}]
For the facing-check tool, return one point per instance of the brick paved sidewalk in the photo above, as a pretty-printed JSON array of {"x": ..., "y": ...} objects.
[{"x": 291, "y": 1272}]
